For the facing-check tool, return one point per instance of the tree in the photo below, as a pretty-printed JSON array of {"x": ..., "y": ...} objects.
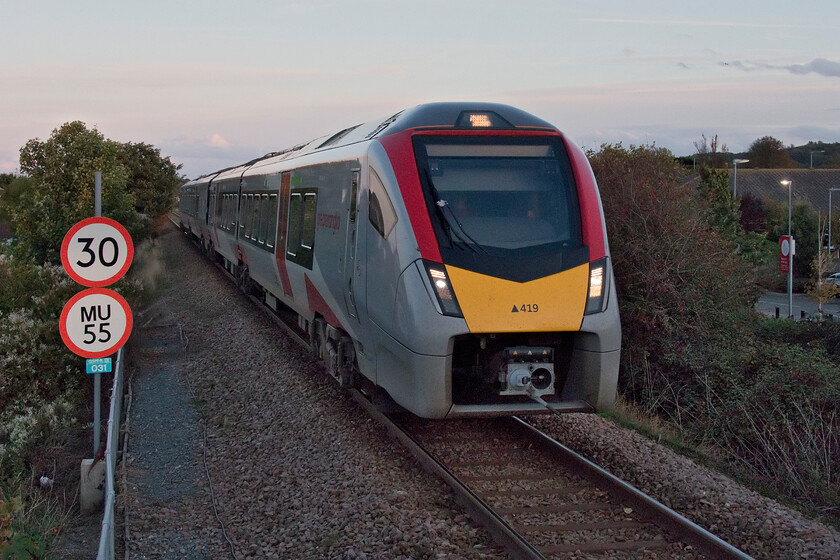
[
  {"x": 722, "y": 211},
  {"x": 9, "y": 195},
  {"x": 153, "y": 180},
  {"x": 62, "y": 173},
  {"x": 753, "y": 218},
  {"x": 769, "y": 153},
  {"x": 804, "y": 226},
  {"x": 820, "y": 267},
  {"x": 710, "y": 153}
]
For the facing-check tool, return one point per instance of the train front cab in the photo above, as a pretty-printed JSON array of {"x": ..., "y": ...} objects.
[{"x": 516, "y": 264}]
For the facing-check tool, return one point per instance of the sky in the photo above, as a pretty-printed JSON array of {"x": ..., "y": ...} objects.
[{"x": 213, "y": 84}]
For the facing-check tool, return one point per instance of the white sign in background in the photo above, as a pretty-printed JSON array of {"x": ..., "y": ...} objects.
[{"x": 95, "y": 322}]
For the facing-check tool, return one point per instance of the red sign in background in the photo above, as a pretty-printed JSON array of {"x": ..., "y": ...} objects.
[{"x": 784, "y": 254}]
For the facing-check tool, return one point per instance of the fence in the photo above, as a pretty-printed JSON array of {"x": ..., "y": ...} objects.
[{"x": 112, "y": 445}]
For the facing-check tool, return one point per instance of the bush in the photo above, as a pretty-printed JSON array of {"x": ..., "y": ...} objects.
[
  {"x": 780, "y": 417},
  {"x": 680, "y": 281},
  {"x": 34, "y": 364},
  {"x": 763, "y": 392}
]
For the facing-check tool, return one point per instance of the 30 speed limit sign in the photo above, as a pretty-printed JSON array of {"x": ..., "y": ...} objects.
[
  {"x": 95, "y": 322},
  {"x": 97, "y": 252}
]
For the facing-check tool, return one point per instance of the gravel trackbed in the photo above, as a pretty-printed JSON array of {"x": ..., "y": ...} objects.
[{"x": 299, "y": 471}]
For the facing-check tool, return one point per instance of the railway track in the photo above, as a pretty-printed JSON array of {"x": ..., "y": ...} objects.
[{"x": 540, "y": 499}]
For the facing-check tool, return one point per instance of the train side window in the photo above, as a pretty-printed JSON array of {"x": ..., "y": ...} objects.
[
  {"x": 245, "y": 216},
  {"x": 226, "y": 215},
  {"x": 264, "y": 217},
  {"x": 354, "y": 193},
  {"x": 272, "y": 221},
  {"x": 381, "y": 212},
  {"x": 301, "y": 237},
  {"x": 221, "y": 208},
  {"x": 295, "y": 223},
  {"x": 308, "y": 239},
  {"x": 230, "y": 221},
  {"x": 255, "y": 217}
]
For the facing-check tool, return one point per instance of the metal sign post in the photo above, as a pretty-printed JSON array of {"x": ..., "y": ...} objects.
[{"x": 95, "y": 323}]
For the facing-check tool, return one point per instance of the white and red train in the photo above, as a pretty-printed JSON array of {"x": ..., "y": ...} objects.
[{"x": 453, "y": 255}]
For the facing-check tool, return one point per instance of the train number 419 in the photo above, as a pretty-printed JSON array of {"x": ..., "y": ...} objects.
[{"x": 526, "y": 308}]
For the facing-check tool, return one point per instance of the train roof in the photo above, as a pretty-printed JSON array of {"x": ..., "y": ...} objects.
[
  {"x": 458, "y": 115},
  {"x": 445, "y": 115}
]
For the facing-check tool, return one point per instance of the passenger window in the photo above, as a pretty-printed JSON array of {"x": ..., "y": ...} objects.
[
  {"x": 272, "y": 221},
  {"x": 295, "y": 223},
  {"x": 354, "y": 192},
  {"x": 308, "y": 239},
  {"x": 381, "y": 212},
  {"x": 301, "y": 237},
  {"x": 244, "y": 215},
  {"x": 255, "y": 217}
]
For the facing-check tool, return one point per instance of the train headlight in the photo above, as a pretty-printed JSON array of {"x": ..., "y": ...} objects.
[
  {"x": 599, "y": 287},
  {"x": 443, "y": 289}
]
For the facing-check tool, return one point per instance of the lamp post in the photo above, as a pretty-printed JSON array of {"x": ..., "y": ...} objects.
[
  {"x": 829, "y": 218},
  {"x": 788, "y": 183},
  {"x": 812, "y": 156},
  {"x": 735, "y": 163}
]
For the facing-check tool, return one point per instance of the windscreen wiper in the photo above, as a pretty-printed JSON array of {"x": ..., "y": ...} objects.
[{"x": 450, "y": 224}]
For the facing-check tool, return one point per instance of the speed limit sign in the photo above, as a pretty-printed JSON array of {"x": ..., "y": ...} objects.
[
  {"x": 97, "y": 252},
  {"x": 95, "y": 322}
]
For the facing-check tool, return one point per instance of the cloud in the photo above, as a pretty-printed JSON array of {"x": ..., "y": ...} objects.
[
  {"x": 200, "y": 155},
  {"x": 217, "y": 141},
  {"x": 819, "y": 66}
]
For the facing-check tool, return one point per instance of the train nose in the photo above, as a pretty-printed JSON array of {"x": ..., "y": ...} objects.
[{"x": 553, "y": 303}]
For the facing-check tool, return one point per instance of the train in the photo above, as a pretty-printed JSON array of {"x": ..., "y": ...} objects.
[{"x": 452, "y": 258}]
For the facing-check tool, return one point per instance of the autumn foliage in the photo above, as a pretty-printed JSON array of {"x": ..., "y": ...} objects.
[{"x": 763, "y": 392}]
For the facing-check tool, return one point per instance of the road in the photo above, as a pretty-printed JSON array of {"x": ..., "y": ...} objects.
[{"x": 769, "y": 302}]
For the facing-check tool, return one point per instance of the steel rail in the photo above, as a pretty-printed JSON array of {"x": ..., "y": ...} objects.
[
  {"x": 503, "y": 533},
  {"x": 664, "y": 516},
  {"x": 515, "y": 543}
]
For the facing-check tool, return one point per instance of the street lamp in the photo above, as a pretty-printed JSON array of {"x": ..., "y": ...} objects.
[
  {"x": 787, "y": 183},
  {"x": 812, "y": 156},
  {"x": 735, "y": 163},
  {"x": 829, "y": 218}
]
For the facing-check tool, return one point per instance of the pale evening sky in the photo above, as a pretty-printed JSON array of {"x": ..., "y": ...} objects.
[{"x": 216, "y": 83}]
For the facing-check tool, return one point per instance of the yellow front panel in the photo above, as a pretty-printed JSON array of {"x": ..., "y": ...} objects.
[{"x": 553, "y": 303}]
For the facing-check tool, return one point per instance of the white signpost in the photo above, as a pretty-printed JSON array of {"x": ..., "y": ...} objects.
[{"x": 96, "y": 322}]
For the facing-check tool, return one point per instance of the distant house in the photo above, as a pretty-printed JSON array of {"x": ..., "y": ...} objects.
[{"x": 807, "y": 184}]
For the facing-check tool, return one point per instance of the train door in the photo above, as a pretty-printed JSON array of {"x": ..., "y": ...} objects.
[
  {"x": 211, "y": 204},
  {"x": 350, "y": 247}
]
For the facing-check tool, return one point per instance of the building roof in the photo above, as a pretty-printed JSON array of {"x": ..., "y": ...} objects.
[{"x": 808, "y": 184}]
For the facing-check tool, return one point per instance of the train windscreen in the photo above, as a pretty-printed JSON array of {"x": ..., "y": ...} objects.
[{"x": 499, "y": 194}]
